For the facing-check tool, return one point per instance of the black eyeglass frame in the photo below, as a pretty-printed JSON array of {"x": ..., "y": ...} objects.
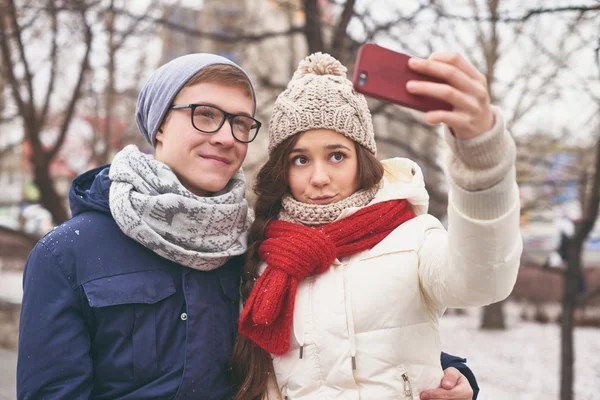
[{"x": 226, "y": 116}]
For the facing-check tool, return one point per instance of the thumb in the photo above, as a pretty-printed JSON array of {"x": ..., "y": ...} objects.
[{"x": 450, "y": 378}]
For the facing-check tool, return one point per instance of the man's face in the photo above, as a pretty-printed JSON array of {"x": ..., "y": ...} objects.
[{"x": 204, "y": 163}]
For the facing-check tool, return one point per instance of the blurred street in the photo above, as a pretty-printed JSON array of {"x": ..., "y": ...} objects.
[{"x": 8, "y": 361}]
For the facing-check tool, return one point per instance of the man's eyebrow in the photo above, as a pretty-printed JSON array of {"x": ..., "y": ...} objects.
[{"x": 207, "y": 103}]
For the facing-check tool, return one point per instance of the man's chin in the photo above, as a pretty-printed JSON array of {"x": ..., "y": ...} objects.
[{"x": 211, "y": 186}]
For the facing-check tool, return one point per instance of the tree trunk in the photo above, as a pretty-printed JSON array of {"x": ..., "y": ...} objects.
[
  {"x": 49, "y": 198},
  {"x": 569, "y": 305},
  {"x": 312, "y": 28},
  {"x": 110, "y": 87},
  {"x": 493, "y": 317}
]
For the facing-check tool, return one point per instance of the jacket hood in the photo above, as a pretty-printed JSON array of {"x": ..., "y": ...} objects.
[
  {"x": 402, "y": 179},
  {"x": 89, "y": 191}
]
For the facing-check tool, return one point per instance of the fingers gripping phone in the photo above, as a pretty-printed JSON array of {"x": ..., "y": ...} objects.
[{"x": 383, "y": 73}]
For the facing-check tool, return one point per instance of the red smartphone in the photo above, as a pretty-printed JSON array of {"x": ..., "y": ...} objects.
[{"x": 383, "y": 73}]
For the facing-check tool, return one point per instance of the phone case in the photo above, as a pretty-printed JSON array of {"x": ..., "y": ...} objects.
[{"x": 382, "y": 74}]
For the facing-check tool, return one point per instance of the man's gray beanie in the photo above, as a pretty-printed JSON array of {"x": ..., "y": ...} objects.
[{"x": 160, "y": 90}]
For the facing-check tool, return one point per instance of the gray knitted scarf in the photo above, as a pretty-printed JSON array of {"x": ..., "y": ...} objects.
[{"x": 152, "y": 207}]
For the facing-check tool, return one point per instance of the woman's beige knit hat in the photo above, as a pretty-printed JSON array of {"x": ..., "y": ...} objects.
[{"x": 319, "y": 96}]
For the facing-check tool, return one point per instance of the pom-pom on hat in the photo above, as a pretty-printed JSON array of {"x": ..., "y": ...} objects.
[{"x": 320, "y": 96}]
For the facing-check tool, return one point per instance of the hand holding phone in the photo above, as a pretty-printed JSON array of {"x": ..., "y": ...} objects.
[
  {"x": 383, "y": 74},
  {"x": 445, "y": 86}
]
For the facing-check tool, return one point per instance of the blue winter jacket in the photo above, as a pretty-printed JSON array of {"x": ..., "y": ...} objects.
[{"x": 103, "y": 317}]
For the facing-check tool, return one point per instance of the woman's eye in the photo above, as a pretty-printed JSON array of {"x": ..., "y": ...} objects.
[
  {"x": 337, "y": 157},
  {"x": 300, "y": 160}
]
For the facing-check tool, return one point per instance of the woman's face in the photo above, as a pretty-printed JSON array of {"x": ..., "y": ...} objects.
[{"x": 323, "y": 167}]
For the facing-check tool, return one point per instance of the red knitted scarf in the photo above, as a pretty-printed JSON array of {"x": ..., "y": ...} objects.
[{"x": 293, "y": 252}]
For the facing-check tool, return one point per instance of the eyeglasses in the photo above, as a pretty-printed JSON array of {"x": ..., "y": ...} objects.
[{"x": 209, "y": 119}]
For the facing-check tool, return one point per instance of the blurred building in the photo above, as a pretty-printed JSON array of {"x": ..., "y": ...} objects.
[
  {"x": 194, "y": 30},
  {"x": 226, "y": 19},
  {"x": 552, "y": 183},
  {"x": 13, "y": 178},
  {"x": 221, "y": 18},
  {"x": 176, "y": 40},
  {"x": 550, "y": 177},
  {"x": 12, "y": 175}
]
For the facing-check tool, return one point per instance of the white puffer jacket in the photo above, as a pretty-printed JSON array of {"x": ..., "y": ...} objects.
[{"x": 368, "y": 327}]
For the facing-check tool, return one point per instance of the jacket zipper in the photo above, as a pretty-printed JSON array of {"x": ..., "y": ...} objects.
[
  {"x": 310, "y": 288},
  {"x": 284, "y": 393},
  {"x": 407, "y": 385},
  {"x": 408, "y": 390}
]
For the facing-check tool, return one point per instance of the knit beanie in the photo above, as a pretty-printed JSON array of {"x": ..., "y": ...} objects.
[
  {"x": 320, "y": 96},
  {"x": 164, "y": 84}
]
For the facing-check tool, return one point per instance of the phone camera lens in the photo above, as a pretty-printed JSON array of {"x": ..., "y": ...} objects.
[{"x": 362, "y": 78}]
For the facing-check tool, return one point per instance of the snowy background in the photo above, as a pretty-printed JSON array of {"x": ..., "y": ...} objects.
[{"x": 522, "y": 362}]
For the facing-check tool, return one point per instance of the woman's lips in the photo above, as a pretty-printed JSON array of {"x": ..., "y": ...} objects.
[{"x": 322, "y": 199}]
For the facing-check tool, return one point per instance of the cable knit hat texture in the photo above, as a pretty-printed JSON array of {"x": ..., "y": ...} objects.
[{"x": 320, "y": 96}]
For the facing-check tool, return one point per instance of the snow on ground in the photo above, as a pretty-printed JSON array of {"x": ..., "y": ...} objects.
[
  {"x": 11, "y": 286},
  {"x": 523, "y": 362},
  {"x": 8, "y": 365}
]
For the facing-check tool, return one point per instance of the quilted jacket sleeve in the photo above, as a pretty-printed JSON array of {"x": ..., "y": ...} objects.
[{"x": 476, "y": 261}]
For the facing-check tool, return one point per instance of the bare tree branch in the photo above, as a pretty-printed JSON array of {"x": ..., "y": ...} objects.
[
  {"x": 340, "y": 32},
  {"x": 218, "y": 37},
  {"x": 561, "y": 63},
  {"x": 412, "y": 152},
  {"x": 19, "y": 40},
  {"x": 312, "y": 27},
  {"x": 87, "y": 30},
  {"x": 134, "y": 24},
  {"x": 6, "y": 65},
  {"x": 528, "y": 15},
  {"x": 26, "y": 110},
  {"x": 584, "y": 84},
  {"x": 53, "y": 61}
]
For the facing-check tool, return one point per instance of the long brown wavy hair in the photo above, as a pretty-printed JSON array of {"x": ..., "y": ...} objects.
[{"x": 251, "y": 365}]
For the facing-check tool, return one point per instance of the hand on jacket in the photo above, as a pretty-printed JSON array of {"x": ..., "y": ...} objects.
[
  {"x": 454, "y": 386},
  {"x": 466, "y": 90}
]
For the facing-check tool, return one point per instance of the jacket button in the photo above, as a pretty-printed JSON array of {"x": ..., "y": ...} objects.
[{"x": 183, "y": 316}]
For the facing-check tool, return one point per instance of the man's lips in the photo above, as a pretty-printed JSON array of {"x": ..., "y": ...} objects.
[{"x": 216, "y": 158}]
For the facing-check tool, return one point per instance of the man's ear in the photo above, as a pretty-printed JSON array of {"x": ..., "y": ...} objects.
[{"x": 159, "y": 135}]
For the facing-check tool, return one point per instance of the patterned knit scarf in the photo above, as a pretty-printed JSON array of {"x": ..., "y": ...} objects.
[
  {"x": 152, "y": 207},
  {"x": 293, "y": 252},
  {"x": 318, "y": 214}
]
